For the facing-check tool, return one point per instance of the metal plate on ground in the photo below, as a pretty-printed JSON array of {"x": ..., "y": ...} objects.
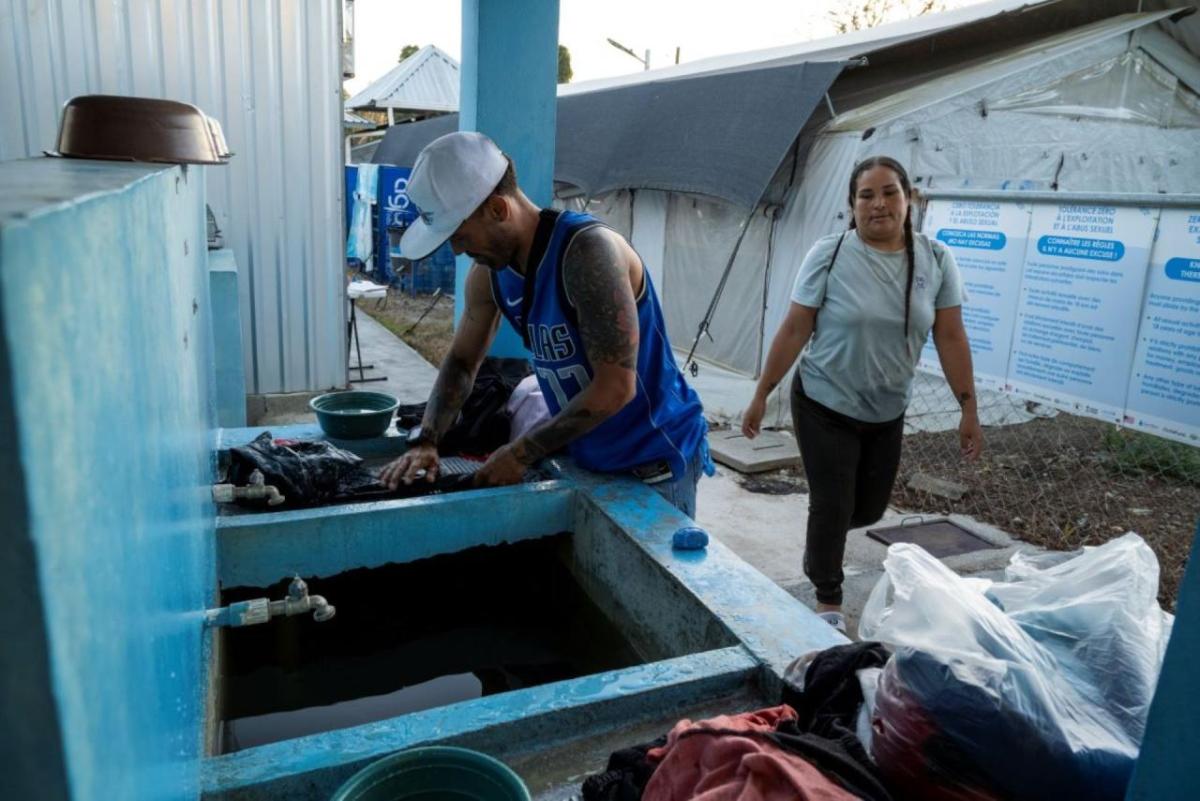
[
  {"x": 941, "y": 538},
  {"x": 770, "y": 450}
]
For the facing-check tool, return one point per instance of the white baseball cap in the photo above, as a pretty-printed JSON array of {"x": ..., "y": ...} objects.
[{"x": 453, "y": 175}]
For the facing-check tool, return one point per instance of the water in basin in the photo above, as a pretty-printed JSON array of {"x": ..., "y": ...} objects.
[{"x": 413, "y": 636}]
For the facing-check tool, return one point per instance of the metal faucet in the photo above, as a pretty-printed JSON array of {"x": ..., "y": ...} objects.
[
  {"x": 256, "y": 489},
  {"x": 260, "y": 610}
]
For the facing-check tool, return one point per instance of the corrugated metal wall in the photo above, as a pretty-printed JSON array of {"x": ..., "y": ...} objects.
[{"x": 270, "y": 71}]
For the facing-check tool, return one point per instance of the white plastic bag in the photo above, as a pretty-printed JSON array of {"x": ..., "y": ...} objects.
[
  {"x": 1034, "y": 688},
  {"x": 1098, "y": 614}
]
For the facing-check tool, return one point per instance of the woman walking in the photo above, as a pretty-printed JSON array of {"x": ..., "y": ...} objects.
[{"x": 864, "y": 302}]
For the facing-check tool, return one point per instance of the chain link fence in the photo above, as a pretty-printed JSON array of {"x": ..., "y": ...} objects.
[{"x": 1051, "y": 478}]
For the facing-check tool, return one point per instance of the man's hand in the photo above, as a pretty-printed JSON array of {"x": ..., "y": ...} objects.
[
  {"x": 970, "y": 436},
  {"x": 501, "y": 469},
  {"x": 420, "y": 461}
]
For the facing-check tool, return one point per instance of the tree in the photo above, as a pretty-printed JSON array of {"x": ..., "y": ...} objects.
[
  {"x": 565, "y": 73},
  {"x": 860, "y": 14},
  {"x": 408, "y": 51}
]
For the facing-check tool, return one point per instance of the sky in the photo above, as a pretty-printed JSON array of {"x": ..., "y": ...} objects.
[{"x": 700, "y": 28}]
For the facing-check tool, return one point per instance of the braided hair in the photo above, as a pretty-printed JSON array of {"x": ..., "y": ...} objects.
[{"x": 902, "y": 174}]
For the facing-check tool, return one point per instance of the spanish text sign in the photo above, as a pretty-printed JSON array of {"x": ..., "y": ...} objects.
[
  {"x": 1164, "y": 387},
  {"x": 1077, "y": 314},
  {"x": 987, "y": 239}
]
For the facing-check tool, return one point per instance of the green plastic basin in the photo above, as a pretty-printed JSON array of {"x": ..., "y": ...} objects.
[
  {"x": 355, "y": 414},
  {"x": 435, "y": 773}
]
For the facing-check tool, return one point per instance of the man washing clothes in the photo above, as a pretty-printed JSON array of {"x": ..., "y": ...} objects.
[{"x": 582, "y": 300}]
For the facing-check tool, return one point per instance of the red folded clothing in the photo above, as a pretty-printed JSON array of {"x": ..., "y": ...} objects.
[{"x": 728, "y": 767}]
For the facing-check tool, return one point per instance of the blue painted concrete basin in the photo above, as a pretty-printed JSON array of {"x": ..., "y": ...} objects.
[{"x": 706, "y": 623}]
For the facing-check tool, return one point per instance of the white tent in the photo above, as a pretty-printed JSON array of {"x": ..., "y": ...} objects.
[
  {"x": 427, "y": 81},
  {"x": 990, "y": 96},
  {"x": 422, "y": 85}
]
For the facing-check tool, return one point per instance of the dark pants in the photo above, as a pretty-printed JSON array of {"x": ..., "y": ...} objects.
[{"x": 851, "y": 466}]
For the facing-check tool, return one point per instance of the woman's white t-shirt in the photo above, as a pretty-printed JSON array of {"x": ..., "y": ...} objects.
[{"x": 860, "y": 361}]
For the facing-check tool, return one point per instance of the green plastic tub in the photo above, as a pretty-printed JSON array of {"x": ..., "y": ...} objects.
[
  {"x": 435, "y": 773},
  {"x": 355, "y": 414}
]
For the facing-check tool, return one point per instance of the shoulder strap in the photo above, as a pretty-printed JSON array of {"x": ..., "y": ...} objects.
[
  {"x": 933, "y": 252},
  {"x": 828, "y": 269},
  {"x": 836, "y": 248}
]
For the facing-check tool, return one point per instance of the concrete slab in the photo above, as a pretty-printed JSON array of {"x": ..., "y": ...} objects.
[
  {"x": 770, "y": 450},
  {"x": 765, "y": 530},
  {"x": 768, "y": 531}
]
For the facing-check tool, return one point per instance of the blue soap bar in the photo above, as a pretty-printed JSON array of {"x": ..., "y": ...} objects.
[{"x": 690, "y": 539}]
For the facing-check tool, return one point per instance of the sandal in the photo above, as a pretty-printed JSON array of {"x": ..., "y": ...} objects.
[{"x": 835, "y": 619}]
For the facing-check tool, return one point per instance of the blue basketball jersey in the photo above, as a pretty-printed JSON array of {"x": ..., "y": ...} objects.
[{"x": 664, "y": 422}]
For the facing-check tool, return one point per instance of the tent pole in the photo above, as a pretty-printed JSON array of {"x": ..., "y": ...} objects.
[
  {"x": 766, "y": 298},
  {"x": 688, "y": 363}
]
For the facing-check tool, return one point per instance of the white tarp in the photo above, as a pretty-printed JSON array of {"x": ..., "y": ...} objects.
[
  {"x": 981, "y": 126},
  {"x": 701, "y": 236},
  {"x": 649, "y": 237},
  {"x": 952, "y": 142}
]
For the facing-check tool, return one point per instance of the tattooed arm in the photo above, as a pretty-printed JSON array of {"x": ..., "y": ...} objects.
[
  {"x": 455, "y": 379},
  {"x": 456, "y": 376},
  {"x": 600, "y": 272}
]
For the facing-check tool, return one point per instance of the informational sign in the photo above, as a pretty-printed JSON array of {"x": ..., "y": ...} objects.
[
  {"x": 1164, "y": 385},
  {"x": 1079, "y": 303},
  {"x": 988, "y": 242}
]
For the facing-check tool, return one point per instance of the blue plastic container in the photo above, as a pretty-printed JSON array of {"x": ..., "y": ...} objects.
[{"x": 435, "y": 773}]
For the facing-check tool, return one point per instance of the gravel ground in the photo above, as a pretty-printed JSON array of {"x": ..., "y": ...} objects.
[{"x": 1065, "y": 482}]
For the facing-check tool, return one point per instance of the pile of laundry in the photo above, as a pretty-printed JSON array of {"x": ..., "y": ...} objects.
[
  {"x": 305, "y": 472},
  {"x": 505, "y": 402},
  {"x": 1035, "y": 687},
  {"x": 309, "y": 473}
]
